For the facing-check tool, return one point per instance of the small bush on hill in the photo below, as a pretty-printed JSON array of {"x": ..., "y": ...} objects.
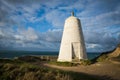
[
  {"x": 102, "y": 58},
  {"x": 85, "y": 62}
]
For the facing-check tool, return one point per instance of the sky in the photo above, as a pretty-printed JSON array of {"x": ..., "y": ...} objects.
[{"x": 37, "y": 25}]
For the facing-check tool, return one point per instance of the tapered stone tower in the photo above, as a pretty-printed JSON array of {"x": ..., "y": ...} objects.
[{"x": 72, "y": 45}]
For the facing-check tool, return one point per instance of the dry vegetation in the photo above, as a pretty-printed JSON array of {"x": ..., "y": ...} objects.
[
  {"x": 18, "y": 69},
  {"x": 33, "y": 68}
]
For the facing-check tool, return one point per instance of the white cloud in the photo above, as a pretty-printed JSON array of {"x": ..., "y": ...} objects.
[
  {"x": 2, "y": 24},
  {"x": 29, "y": 34},
  {"x": 28, "y": 38},
  {"x": 102, "y": 20},
  {"x": 97, "y": 17},
  {"x": 56, "y": 18},
  {"x": 1, "y": 34},
  {"x": 52, "y": 35},
  {"x": 92, "y": 46},
  {"x": 74, "y": 5}
]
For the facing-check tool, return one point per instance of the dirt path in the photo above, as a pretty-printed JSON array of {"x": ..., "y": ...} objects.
[{"x": 101, "y": 69}]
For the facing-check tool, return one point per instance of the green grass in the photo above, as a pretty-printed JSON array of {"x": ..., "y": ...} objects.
[
  {"x": 26, "y": 71},
  {"x": 17, "y": 61},
  {"x": 86, "y": 62},
  {"x": 70, "y": 64},
  {"x": 16, "y": 69},
  {"x": 67, "y": 64},
  {"x": 102, "y": 58}
]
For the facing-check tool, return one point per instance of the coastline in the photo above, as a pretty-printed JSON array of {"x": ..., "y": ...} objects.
[
  {"x": 104, "y": 67},
  {"x": 97, "y": 71},
  {"x": 12, "y": 54}
]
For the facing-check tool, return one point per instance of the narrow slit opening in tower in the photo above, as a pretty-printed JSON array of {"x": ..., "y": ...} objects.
[{"x": 75, "y": 51}]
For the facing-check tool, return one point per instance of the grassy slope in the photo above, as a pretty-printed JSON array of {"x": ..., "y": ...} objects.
[
  {"x": 113, "y": 55},
  {"x": 23, "y": 70}
]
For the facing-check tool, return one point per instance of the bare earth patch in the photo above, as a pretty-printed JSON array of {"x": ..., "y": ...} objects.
[{"x": 105, "y": 68}]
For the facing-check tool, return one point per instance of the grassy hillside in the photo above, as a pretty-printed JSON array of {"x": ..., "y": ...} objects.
[
  {"x": 113, "y": 55},
  {"x": 32, "y": 68},
  {"x": 17, "y": 69}
]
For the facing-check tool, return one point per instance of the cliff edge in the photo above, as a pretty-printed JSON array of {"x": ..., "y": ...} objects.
[{"x": 113, "y": 55}]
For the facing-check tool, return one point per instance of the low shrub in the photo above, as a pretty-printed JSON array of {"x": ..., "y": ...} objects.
[
  {"x": 102, "y": 58},
  {"x": 63, "y": 63},
  {"x": 27, "y": 71},
  {"x": 9, "y": 66},
  {"x": 85, "y": 62}
]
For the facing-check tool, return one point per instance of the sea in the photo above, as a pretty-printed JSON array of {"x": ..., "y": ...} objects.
[{"x": 13, "y": 54}]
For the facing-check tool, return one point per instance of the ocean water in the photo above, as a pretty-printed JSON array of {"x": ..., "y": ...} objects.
[{"x": 12, "y": 54}]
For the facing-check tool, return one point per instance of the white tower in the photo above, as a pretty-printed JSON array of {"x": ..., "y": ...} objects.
[{"x": 72, "y": 44}]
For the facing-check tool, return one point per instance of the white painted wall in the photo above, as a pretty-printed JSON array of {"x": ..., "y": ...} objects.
[{"x": 72, "y": 33}]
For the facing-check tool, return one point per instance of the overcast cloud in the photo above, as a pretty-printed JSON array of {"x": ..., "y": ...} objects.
[{"x": 38, "y": 25}]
